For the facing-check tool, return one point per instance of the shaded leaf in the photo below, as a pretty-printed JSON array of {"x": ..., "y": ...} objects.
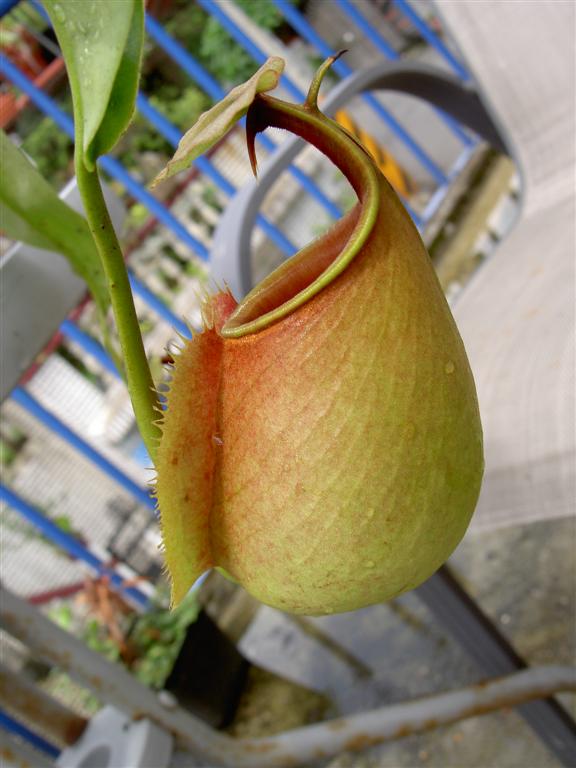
[
  {"x": 102, "y": 46},
  {"x": 212, "y": 125},
  {"x": 30, "y": 210}
]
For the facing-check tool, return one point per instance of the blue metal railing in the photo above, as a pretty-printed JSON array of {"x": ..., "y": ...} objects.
[
  {"x": 6, "y": 6},
  {"x": 21, "y": 731},
  {"x": 432, "y": 39},
  {"x": 376, "y": 38},
  {"x": 89, "y": 345},
  {"x": 27, "y": 401},
  {"x": 158, "y": 306},
  {"x": 71, "y": 545}
]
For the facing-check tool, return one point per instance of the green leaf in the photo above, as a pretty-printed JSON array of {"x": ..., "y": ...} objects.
[
  {"x": 30, "y": 210},
  {"x": 216, "y": 122},
  {"x": 102, "y": 46}
]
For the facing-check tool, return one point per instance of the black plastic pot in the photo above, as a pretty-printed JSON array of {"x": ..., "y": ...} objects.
[{"x": 209, "y": 673}]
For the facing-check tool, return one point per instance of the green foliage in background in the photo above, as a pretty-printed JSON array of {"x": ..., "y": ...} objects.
[
  {"x": 206, "y": 39},
  {"x": 98, "y": 639},
  {"x": 52, "y": 151},
  {"x": 179, "y": 105},
  {"x": 157, "y": 637}
]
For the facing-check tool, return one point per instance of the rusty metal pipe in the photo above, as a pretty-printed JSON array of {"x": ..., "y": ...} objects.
[
  {"x": 17, "y": 754},
  {"x": 367, "y": 729},
  {"x": 110, "y": 682},
  {"x": 323, "y": 740},
  {"x": 22, "y": 697}
]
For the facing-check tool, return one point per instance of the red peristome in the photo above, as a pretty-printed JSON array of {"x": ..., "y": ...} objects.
[{"x": 217, "y": 309}]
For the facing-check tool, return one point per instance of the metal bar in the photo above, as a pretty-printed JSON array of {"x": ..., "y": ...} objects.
[
  {"x": 173, "y": 135},
  {"x": 301, "y": 25},
  {"x": 158, "y": 306},
  {"x": 21, "y": 731},
  {"x": 27, "y": 700},
  {"x": 295, "y": 747},
  {"x": 60, "y": 593},
  {"x": 432, "y": 39},
  {"x": 436, "y": 199},
  {"x": 305, "y": 182},
  {"x": 44, "y": 41},
  {"x": 368, "y": 30},
  {"x": 6, "y": 6},
  {"x": 397, "y": 721},
  {"x": 25, "y": 400},
  {"x": 90, "y": 346},
  {"x": 19, "y": 754},
  {"x": 109, "y": 164},
  {"x": 376, "y": 38},
  {"x": 115, "y": 169},
  {"x": 189, "y": 64},
  {"x": 111, "y": 682},
  {"x": 184, "y": 59},
  {"x": 454, "y": 608},
  {"x": 70, "y": 545}
]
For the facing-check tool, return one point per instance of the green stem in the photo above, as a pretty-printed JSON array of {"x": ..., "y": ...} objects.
[{"x": 138, "y": 376}]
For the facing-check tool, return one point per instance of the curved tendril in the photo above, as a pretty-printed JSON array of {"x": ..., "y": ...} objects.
[{"x": 311, "y": 101}]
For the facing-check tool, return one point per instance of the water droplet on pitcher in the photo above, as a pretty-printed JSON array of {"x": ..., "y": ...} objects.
[
  {"x": 369, "y": 514},
  {"x": 370, "y": 564},
  {"x": 449, "y": 367}
]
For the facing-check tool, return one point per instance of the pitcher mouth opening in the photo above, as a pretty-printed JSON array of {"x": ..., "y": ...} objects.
[
  {"x": 293, "y": 277},
  {"x": 315, "y": 266}
]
